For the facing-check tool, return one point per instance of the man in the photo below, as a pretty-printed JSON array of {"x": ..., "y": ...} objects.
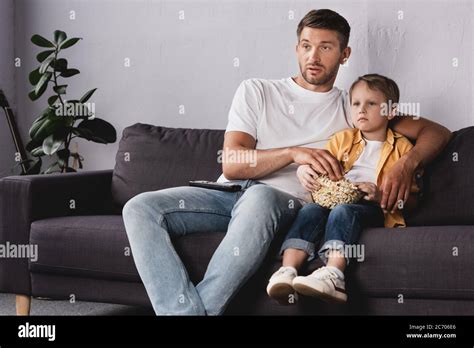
[{"x": 281, "y": 124}]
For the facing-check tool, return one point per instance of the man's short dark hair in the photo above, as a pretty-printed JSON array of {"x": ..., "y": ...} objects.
[{"x": 326, "y": 19}]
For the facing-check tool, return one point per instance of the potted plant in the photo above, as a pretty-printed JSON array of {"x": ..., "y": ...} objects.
[{"x": 62, "y": 120}]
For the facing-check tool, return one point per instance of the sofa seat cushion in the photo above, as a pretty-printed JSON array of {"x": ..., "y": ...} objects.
[
  {"x": 417, "y": 262},
  {"x": 96, "y": 246}
]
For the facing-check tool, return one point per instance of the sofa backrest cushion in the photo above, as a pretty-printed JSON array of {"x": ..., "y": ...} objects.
[
  {"x": 448, "y": 185},
  {"x": 151, "y": 158}
]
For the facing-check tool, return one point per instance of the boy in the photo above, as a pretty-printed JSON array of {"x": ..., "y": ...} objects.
[{"x": 367, "y": 153}]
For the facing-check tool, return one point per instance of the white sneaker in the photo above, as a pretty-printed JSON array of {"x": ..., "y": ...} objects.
[
  {"x": 280, "y": 286},
  {"x": 322, "y": 283}
]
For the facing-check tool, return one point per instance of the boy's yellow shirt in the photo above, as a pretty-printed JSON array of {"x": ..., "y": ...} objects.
[{"x": 347, "y": 146}]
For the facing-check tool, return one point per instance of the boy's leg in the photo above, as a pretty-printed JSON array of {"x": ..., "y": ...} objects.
[
  {"x": 151, "y": 218},
  {"x": 256, "y": 217},
  {"x": 344, "y": 225},
  {"x": 307, "y": 228}
]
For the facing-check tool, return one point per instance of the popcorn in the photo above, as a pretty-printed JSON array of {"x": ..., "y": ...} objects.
[{"x": 333, "y": 193}]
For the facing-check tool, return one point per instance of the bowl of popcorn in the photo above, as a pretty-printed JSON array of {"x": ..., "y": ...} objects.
[{"x": 332, "y": 193}]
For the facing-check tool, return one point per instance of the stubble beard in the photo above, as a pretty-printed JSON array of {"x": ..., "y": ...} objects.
[{"x": 315, "y": 81}]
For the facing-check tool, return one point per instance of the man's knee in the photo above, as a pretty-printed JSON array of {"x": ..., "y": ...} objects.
[
  {"x": 154, "y": 202},
  {"x": 265, "y": 195},
  {"x": 145, "y": 209},
  {"x": 146, "y": 206},
  {"x": 139, "y": 203},
  {"x": 265, "y": 200}
]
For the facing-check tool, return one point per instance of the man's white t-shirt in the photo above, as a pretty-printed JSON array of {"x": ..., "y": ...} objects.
[
  {"x": 281, "y": 113},
  {"x": 365, "y": 167}
]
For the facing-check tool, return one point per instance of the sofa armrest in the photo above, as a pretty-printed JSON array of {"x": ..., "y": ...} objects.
[{"x": 24, "y": 199}]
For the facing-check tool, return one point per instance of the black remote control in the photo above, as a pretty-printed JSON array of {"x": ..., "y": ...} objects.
[{"x": 221, "y": 186}]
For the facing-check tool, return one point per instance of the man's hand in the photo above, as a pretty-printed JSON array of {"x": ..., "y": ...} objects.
[
  {"x": 373, "y": 193},
  {"x": 396, "y": 184},
  {"x": 321, "y": 161},
  {"x": 307, "y": 177},
  {"x": 430, "y": 137}
]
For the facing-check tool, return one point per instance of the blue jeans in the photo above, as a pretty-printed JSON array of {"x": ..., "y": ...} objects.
[
  {"x": 340, "y": 226},
  {"x": 251, "y": 217}
]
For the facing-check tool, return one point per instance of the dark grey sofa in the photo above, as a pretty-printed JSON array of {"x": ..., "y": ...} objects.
[{"x": 426, "y": 268}]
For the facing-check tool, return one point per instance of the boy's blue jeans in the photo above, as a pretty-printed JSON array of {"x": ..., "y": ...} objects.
[
  {"x": 340, "y": 227},
  {"x": 251, "y": 218}
]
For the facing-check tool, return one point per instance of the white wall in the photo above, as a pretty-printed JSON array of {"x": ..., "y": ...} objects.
[
  {"x": 420, "y": 52},
  {"x": 190, "y": 62},
  {"x": 7, "y": 84}
]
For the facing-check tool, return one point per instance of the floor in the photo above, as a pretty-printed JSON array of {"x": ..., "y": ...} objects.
[{"x": 49, "y": 307}]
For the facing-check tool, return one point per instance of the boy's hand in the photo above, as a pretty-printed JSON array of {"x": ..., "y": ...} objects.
[
  {"x": 372, "y": 191},
  {"x": 307, "y": 177}
]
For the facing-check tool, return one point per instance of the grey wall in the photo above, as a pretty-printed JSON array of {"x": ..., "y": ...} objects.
[
  {"x": 190, "y": 62},
  {"x": 420, "y": 52},
  {"x": 7, "y": 84}
]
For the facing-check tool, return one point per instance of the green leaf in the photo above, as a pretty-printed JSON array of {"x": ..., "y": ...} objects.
[
  {"x": 49, "y": 126},
  {"x": 87, "y": 96},
  {"x": 36, "y": 168},
  {"x": 88, "y": 135},
  {"x": 34, "y": 76},
  {"x": 52, "y": 143},
  {"x": 59, "y": 37},
  {"x": 52, "y": 100},
  {"x": 32, "y": 144},
  {"x": 59, "y": 64},
  {"x": 43, "y": 81},
  {"x": 34, "y": 96},
  {"x": 63, "y": 157},
  {"x": 38, "y": 40},
  {"x": 96, "y": 130},
  {"x": 70, "y": 42},
  {"x": 34, "y": 129},
  {"x": 37, "y": 152},
  {"x": 47, "y": 113},
  {"x": 61, "y": 89},
  {"x": 69, "y": 72},
  {"x": 45, "y": 65},
  {"x": 63, "y": 153},
  {"x": 46, "y": 126},
  {"x": 43, "y": 55}
]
